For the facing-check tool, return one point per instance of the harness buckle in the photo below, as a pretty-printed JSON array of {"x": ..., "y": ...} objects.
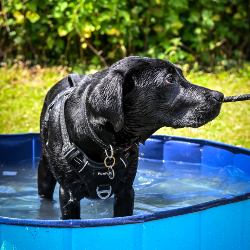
[
  {"x": 67, "y": 147},
  {"x": 107, "y": 192},
  {"x": 111, "y": 173}
]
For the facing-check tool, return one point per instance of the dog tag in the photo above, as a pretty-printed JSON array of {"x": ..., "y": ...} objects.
[{"x": 111, "y": 173}]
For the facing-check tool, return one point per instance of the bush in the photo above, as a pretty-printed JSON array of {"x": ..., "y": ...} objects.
[{"x": 90, "y": 32}]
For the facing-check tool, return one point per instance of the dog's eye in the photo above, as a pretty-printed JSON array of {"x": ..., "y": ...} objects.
[{"x": 169, "y": 78}]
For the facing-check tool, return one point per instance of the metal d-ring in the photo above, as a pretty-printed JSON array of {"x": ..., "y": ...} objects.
[{"x": 99, "y": 193}]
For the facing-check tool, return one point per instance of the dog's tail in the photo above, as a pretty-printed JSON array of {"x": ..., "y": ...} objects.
[{"x": 237, "y": 98}]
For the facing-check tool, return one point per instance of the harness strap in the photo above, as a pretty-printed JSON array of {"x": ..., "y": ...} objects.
[
  {"x": 66, "y": 92},
  {"x": 64, "y": 132}
]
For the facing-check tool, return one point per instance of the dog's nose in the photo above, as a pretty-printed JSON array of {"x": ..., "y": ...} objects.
[{"x": 218, "y": 96}]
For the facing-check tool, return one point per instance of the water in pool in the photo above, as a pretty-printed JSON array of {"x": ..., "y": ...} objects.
[{"x": 159, "y": 186}]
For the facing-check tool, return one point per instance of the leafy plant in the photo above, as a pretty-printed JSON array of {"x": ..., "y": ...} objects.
[{"x": 90, "y": 32}]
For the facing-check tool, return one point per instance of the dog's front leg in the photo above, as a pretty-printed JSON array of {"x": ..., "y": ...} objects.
[
  {"x": 46, "y": 181},
  {"x": 124, "y": 196},
  {"x": 124, "y": 204},
  {"x": 70, "y": 207}
]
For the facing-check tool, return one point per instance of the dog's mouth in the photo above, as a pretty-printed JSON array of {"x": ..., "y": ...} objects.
[{"x": 197, "y": 118}]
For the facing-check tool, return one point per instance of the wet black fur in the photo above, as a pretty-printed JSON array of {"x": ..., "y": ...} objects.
[{"x": 126, "y": 104}]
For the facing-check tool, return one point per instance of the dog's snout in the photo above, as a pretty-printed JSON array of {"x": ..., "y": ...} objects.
[{"x": 218, "y": 96}]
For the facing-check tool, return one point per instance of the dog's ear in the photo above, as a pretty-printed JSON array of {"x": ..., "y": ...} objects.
[
  {"x": 107, "y": 100},
  {"x": 73, "y": 79},
  {"x": 107, "y": 96},
  {"x": 129, "y": 68}
]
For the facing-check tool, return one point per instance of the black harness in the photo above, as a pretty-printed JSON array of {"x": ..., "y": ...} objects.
[
  {"x": 101, "y": 181},
  {"x": 100, "y": 178}
]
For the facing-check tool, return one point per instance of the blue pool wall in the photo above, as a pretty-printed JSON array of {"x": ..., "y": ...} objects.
[
  {"x": 22, "y": 147},
  {"x": 197, "y": 151},
  {"x": 220, "y": 224}
]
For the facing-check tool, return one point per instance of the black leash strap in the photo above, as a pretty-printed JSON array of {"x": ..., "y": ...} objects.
[{"x": 237, "y": 98}]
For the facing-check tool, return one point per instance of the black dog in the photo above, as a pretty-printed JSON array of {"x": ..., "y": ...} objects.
[{"x": 91, "y": 126}]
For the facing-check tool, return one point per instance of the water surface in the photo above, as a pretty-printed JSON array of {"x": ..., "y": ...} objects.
[{"x": 159, "y": 186}]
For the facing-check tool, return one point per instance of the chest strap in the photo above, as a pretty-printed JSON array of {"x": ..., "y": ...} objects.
[
  {"x": 63, "y": 93},
  {"x": 95, "y": 175}
]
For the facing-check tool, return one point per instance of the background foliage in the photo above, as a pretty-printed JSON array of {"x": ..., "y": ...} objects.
[
  {"x": 212, "y": 34},
  {"x": 87, "y": 35}
]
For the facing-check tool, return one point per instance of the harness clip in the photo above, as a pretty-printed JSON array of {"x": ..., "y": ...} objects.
[
  {"x": 111, "y": 172},
  {"x": 111, "y": 151}
]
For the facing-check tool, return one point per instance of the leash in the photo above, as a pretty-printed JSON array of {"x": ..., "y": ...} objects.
[{"x": 237, "y": 98}]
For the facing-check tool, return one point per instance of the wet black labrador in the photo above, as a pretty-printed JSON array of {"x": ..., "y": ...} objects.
[{"x": 91, "y": 126}]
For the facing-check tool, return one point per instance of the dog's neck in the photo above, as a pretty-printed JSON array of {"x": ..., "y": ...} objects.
[
  {"x": 78, "y": 132},
  {"x": 77, "y": 126}
]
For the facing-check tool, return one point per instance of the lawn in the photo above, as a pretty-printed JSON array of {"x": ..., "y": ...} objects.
[{"x": 22, "y": 92}]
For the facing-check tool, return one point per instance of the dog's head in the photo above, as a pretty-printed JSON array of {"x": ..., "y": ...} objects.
[{"x": 140, "y": 95}]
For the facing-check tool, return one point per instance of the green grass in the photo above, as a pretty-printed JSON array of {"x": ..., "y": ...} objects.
[{"x": 22, "y": 92}]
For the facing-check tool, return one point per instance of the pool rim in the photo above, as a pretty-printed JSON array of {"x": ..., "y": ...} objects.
[{"x": 135, "y": 218}]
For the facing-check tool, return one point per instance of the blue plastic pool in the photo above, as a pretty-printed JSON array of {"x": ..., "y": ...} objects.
[{"x": 222, "y": 223}]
